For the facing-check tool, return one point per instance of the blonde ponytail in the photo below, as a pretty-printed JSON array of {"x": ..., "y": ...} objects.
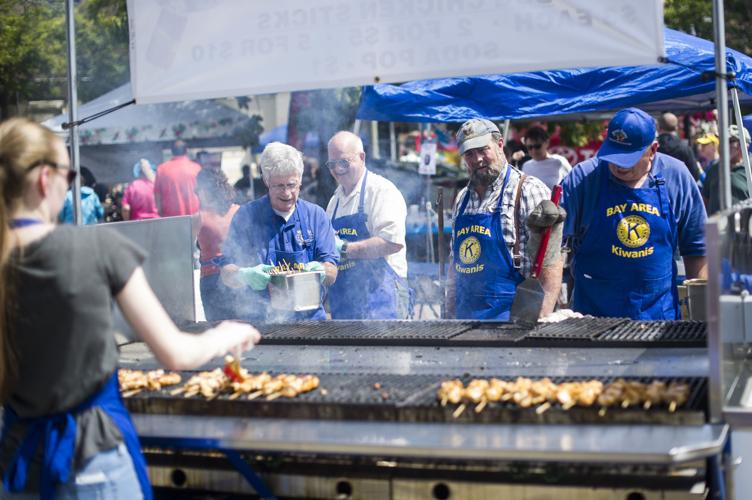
[{"x": 22, "y": 144}]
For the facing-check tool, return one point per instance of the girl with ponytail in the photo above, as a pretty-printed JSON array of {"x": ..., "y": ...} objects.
[{"x": 65, "y": 431}]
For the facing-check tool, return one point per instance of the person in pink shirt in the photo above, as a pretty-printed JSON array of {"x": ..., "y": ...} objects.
[
  {"x": 175, "y": 184},
  {"x": 138, "y": 199}
]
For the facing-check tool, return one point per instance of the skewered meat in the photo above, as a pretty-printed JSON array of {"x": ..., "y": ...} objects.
[
  {"x": 451, "y": 391},
  {"x": 526, "y": 392},
  {"x": 137, "y": 380},
  {"x": 654, "y": 394},
  {"x": 475, "y": 391},
  {"x": 676, "y": 395}
]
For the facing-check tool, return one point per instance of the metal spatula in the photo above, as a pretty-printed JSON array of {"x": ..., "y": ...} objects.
[{"x": 528, "y": 300}]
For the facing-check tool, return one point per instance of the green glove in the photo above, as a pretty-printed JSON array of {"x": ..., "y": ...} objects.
[
  {"x": 315, "y": 265},
  {"x": 256, "y": 277},
  {"x": 339, "y": 243}
]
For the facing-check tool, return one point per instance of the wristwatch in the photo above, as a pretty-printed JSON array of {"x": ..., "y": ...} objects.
[{"x": 344, "y": 247}]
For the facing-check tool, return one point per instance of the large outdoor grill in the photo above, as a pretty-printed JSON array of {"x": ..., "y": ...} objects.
[
  {"x": 412, "y": 398},
  {"x": 377, "y": 429}
]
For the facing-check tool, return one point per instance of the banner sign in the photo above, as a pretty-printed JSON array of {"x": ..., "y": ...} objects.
[
  {"x": 427, "y": 165},
  {"x": 195, "y": 49}
]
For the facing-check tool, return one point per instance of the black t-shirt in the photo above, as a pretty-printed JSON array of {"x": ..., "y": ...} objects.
[
  {"x": 673, "y": 146},
  {"x": 62, "y": 329}
]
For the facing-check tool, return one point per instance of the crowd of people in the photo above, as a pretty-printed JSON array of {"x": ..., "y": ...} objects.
[{"x": 624, "y": 215}]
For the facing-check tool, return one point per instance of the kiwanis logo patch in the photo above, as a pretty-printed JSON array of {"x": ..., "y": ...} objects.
[
  {"x": 469, "y": 250},
  {"x": 620, "y": 137},
  {"x": 633, "y": 231}
]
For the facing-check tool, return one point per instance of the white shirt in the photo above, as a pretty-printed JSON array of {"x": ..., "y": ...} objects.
[
  {"x": 551, "y": 170},
  {"x": 386, "y": 210}
]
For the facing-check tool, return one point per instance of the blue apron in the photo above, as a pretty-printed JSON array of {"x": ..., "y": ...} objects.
[
  {"x": 486, "y": 278},
  {"x": 57, "y": 434},
  {"x": 365, "y": 288},
  {"x": 279, "y": 255},
  {"x": 624, "y": 266}
]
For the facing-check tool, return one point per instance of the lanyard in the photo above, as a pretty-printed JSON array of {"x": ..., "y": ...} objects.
[{"x": 23, "y": 222}]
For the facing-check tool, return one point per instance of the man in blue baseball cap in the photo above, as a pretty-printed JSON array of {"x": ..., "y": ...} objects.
[{"x": 629, "y": 209}]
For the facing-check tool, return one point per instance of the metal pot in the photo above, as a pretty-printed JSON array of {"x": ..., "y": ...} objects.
[
  {"x": 296, "y": 291},
  {"x": 696, "y": 290}
]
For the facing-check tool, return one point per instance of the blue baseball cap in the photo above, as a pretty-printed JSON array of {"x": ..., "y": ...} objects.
[{"x": 630, "y": 132}]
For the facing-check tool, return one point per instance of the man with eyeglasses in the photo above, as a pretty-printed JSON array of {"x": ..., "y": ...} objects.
[
  {"x": 368, "y": 213},
  {"x": 496, "y": 230},
  {"x": 630, "y": 208},
  {"x": 550, "y": 168},
  {"x": 275, "y": 233}
]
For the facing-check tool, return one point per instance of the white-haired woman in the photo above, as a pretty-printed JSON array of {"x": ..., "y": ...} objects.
[
  {"x": 278, "y": 231},
  {"x": 138, "y": 199},
  {"x": 65, "y": 431}
]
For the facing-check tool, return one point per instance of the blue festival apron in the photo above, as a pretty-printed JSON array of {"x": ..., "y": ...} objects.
[
  {"x": 624, "y": 266},
  {"x": 365, "y": 288},
  {"x": 486, "y": 278},
  {"x": 57, "y": 434},
  {"x": 278, "y": 255}
]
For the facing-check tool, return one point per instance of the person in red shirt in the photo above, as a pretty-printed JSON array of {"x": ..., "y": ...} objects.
[
  {"x": 175, "y": 184},
  {"x": 212, "y": 222}
]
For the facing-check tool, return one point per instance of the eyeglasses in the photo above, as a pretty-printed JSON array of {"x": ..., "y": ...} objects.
[
  {"x": 332, "y": 164},
  {"x": 70, "y": 174},
  {"x": 290, "y": 186},
  {"x": 535, "y": 146}
]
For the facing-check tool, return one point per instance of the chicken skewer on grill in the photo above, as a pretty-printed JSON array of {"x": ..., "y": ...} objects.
[
  {"x": 134, "y": 381},
  {"x": 451, "y": 391}
]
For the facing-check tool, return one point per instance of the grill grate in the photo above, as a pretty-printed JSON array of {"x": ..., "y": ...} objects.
[
  {"x": 362, "y": 332},
  {"x": 492, "y": 334},
  {"x": 572, "y": 332},
  {"x": 657, "y": 331},
  {"x": 575, "y": 328},
  {"x": 412, "y": 398}
]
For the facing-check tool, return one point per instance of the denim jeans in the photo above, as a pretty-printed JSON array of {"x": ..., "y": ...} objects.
[{"x": 105, "y": 476}]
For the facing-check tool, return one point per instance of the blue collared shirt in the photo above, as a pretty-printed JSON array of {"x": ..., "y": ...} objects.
[{"x": 256, "y": 226}]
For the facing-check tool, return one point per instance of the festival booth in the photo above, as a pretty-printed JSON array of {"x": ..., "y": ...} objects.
[{"x": 378, "y": 426}]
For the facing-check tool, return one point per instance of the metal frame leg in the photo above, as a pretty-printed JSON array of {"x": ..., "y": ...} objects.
[
  {"x": 719, "y": 471},
  {"x": 249, "y": 474}
]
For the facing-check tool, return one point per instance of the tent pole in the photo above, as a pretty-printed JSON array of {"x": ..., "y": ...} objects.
[
  {"x": 505, "y": 134},
  {"x": 73, "y": 108},
  {"x": 742, "y": 143},
  {"x": 375, "y": 152},
  {"x": 721, "y": 90},
  {"x": 392, "y": 142}
]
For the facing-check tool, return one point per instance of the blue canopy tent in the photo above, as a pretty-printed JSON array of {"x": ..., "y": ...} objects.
[{"x": 684, "y": 82}]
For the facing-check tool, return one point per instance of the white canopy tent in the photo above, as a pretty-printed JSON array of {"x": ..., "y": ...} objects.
[{"x": 111, "y": 144}]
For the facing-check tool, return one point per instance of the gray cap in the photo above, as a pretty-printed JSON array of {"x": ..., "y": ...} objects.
[
  {"x": 733, "y": 131},
  {"x": 475, "y": 133}
]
